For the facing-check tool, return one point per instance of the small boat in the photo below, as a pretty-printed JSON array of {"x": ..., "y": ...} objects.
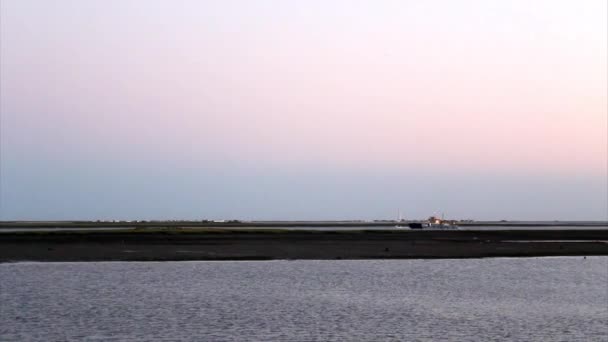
[
  {"x": 434, "y": 223},
  {"x": 441, "y": 226},
  {"x": 418, "y": 225},
  {"x": 400, "y": 219}
]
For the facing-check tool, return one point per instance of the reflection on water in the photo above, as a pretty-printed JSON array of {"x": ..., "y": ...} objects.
[{"x": 552, "y": 299}]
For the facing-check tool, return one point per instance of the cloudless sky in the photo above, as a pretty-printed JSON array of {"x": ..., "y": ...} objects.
[{"x": 482, "y": 109}]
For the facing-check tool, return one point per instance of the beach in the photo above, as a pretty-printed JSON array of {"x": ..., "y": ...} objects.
[{"x": 270, "y": 244}]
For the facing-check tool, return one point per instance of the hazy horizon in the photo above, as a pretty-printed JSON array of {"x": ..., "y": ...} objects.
[{"x": 286, "y": 110}]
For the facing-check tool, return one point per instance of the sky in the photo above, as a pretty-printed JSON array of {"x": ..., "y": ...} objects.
[{"x": 284, "y": 109}]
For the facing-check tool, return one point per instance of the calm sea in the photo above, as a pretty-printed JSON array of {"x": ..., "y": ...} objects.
[{"x": 503, "y": 299}]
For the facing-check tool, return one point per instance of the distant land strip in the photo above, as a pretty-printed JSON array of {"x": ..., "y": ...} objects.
[
  {"x": 172, "y": 244},
  {"x": 280, "y": 224}
]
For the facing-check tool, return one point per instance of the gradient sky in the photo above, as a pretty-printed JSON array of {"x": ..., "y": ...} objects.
[{"x": 485, "y": 109}]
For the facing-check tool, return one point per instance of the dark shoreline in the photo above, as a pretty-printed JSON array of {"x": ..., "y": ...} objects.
[{"x": 272, "y": 244}]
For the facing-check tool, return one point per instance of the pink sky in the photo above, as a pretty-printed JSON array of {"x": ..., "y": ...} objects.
[{"x": 491, "y": 86}]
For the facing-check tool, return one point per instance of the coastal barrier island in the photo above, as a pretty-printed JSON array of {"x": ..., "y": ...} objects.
[{"x": 164, "y": 244}]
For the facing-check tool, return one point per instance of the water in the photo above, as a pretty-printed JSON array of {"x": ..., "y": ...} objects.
[{"x": 527, "y": 299}]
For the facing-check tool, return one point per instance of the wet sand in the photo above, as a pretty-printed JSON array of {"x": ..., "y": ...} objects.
[{"x": 259, "y": 244}]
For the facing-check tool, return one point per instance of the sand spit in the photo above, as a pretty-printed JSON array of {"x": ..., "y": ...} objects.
[{"x": 269, "y": 244}]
